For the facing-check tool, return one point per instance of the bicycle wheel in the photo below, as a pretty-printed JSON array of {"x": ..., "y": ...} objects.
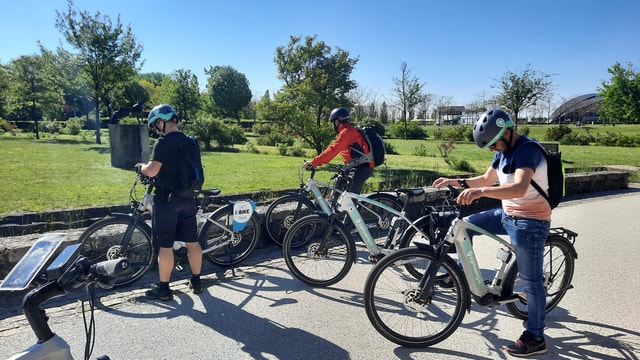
[
  {"x": 283, "y": 212},
  {"x": 104, "y": 240},
  {"x": 220, "y": 244},
  {"x": 559, "y": 265},
  {"x": 314, "y": 261},
  {"x": 390, "y": 295},
  {"x": 378, "y": 220},
  {"x": 411, "y": 236}
]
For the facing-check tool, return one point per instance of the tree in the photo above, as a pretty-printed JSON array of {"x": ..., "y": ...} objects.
[
  {"x": 315, "y": 81},
  {"x": 108, "y": 53},
  {"x": 384, "y": 113},
  {"x": 520, "y": 90},
  {"x": 229, "y": 90},
  {"x": 4, "y": 90},
  {"x": 408, "y": 90},
  {"x": 186, "y": 93},
  {"x": 65, "y": 72},
  {"x": 621, "y": 95},
  {"x": 29, "y": 89}
]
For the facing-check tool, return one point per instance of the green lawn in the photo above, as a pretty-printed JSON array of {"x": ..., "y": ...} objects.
[{"x": 62, "y": 172}]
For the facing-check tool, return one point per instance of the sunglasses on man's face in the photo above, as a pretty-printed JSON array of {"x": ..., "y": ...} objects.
[{"x": 492, "y": 147}]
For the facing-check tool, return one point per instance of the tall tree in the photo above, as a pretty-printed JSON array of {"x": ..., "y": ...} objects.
[
  {"x": 621, "y": 95},
  {"x": 521, "y": 90},
  {"x": 4, "y": 90},
  {"x": 65, "y": 72},
  {"x": 108, "y": 52},
  {"x": 229, "y": 90},
  {"x": 384, "y": 113},
  {"x": 186, "y": 95},
  {"x": 408, "y": 90},
  {"x": 29, "y": 88},
  {"x": 315, "y": 81}
]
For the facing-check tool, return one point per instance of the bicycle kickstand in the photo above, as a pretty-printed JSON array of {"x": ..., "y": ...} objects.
[{"x": 233, "y": 271}]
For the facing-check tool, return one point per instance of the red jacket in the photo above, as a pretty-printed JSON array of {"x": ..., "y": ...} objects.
[{"x": 348, "y": 137}]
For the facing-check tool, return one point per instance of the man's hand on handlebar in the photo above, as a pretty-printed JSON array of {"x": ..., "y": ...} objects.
[
  {"x": 467, "y": 196},
  {"x": 308, "y": 165}
]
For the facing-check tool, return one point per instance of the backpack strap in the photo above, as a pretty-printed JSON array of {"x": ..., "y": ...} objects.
[
  {"x": 364, "y": 158},
  {"x": 533, "y": 182}
]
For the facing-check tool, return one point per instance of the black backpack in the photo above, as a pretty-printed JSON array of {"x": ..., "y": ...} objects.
[
  {"x": 191, "y": 177},
  {"x": 555, "y": 177},
  {"x": 377, "y": 151}
]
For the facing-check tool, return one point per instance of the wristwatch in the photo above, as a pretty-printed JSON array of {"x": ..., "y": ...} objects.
[{"x": 463, "y": 183}]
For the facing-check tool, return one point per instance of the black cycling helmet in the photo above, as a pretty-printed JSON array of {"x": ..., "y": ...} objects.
[
  {"x": 490, "y": 127},
  {"x": 162, "y": 111},
  {"x": 341, "y": 114}
]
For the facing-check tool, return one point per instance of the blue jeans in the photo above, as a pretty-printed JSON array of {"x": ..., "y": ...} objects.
[{"x": 527, "y": 237}]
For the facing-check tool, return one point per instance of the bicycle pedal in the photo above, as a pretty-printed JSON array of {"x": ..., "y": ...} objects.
[{"x": 179, "y": 267}]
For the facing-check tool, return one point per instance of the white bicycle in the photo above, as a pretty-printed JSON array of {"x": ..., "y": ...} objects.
[{"x": 66, "y": 274}]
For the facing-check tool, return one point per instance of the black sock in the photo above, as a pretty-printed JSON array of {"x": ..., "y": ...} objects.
[
  {"x": 164, "y": 286},
  {"x": 195, "y": 277}
]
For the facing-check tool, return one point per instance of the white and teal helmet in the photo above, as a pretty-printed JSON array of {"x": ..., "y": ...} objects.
[
  {"x": 490, "y": 127},
  {"x": 162, "y": 111}
]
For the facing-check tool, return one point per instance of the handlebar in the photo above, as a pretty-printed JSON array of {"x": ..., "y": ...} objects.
[{"x": 80, "y": 273}]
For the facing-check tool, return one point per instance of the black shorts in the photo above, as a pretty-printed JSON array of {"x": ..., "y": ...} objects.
[{"x": 173, "y": 220}]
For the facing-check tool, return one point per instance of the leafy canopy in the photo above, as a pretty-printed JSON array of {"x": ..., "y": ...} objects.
[
  {"x": 316, "y": 80},
  {"x": 621, "y": 95}
]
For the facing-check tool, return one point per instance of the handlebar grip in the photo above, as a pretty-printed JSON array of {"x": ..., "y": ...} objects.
[{"x": 111, "y": 268}]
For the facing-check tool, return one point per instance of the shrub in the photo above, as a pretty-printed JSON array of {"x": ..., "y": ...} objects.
[
  {"x": 252, "y": 149},
  {"x": 51, "y": 127},
  {"x": 262, "y": 128},
  {"x": 390, "y": 149},
  {"x": 576, "y": 139},
  {"x": 237, "y": 134},
  {"x": 73, "y": 126},
  {"x": 420, "y": 150},
  {"x": 412, "y": 131},
  {"x": 459, "y": 133},
  {"x": 274, "y": 138},
  {"x": 556, "y": 133}
]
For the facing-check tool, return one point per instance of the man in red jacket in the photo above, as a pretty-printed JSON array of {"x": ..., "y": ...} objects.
[{"x": 351, "y": 145}]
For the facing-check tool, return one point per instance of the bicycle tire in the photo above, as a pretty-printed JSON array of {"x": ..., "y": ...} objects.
[
  {"x": 103, "y": 241},
  {"x": 230, "y": 248},
  {"x": 312, "y": 265},
  {"x": 283, "y": 212},
  {"x": 380, "y": 229},
  {"x": 389, "y": 300},
  {"x": 411, "y": 236},
  {"x": 559, "y": 266}
]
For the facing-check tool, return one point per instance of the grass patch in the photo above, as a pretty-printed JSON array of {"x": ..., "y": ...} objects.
[{"x": 66, "y": 172}]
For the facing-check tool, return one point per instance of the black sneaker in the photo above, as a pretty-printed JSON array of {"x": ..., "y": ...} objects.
[
  {"x": 527, "y": 346},
  {"x": 157, "y": 294},
  {"x": 195, "y": 285}
]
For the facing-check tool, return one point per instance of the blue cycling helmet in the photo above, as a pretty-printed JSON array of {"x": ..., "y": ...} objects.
[
  {"x": 162, "y": 111},
  {"x": 490, "y": 127}
]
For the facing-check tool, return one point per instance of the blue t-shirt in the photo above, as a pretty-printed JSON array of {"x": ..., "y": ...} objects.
[{"x": 524, "y": 154}]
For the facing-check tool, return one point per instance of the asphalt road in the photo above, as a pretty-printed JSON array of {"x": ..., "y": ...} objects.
[{"x": 264, "y": 313}]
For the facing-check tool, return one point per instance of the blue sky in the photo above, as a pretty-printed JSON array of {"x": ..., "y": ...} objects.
[{"x": 457, "y": 48}]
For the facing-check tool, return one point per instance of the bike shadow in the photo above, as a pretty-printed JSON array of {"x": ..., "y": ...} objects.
[{"x": 260, "y": 337}]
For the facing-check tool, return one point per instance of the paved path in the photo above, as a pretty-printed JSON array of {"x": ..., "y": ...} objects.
[{"x": 264, "y": 313}]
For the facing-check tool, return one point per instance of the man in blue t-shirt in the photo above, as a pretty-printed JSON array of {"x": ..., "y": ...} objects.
[{"x": 525, "y": 215}]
